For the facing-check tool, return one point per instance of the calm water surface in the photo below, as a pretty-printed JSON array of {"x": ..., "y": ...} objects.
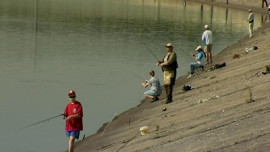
[{"x": 97, "y": 48}]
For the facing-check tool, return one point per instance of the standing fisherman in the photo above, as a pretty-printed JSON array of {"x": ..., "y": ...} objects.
[
  {"x": 169, "y": 66},
  {"x": 73, "y": 113},
  {"x": 208, "y": 42},
  {"x": 250, "y": 21},
  {"x": 266, "y": 3}
]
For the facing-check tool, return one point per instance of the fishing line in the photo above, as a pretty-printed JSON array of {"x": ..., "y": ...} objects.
[
  {"x": 43, "y": 121},
  {"x": 99, "y": 137},
  {"x": 136, "y": 75},
  {"x": 108, "y": 125}
]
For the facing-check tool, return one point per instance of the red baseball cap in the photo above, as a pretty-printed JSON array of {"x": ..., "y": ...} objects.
[{"x": 72, "y": 94}]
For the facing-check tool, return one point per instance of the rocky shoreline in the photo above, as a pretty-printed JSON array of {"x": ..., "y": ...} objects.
[{"x": 228, "y": 110}]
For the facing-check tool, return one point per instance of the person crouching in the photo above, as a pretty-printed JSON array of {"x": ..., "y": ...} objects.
[{"x": 155, "y": 89}]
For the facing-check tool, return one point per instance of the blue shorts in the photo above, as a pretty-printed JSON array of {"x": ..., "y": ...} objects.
[
  {"x": 75, "y": 134},
  {"x": 151, "y": 93}
]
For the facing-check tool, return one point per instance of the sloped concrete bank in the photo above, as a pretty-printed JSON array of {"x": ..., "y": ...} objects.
[{"x": 228, "y": 110}]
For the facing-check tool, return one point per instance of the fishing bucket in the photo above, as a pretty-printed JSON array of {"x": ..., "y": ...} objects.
[{"x": 144, "y": 130}]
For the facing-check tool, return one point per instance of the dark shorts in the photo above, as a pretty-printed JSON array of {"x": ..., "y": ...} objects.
[{"x": 75, "y": 134}]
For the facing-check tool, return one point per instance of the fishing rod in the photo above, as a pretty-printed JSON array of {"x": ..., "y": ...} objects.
[
  {"x": 43, "y": 121},
  {"x": 151, "y": 52}
]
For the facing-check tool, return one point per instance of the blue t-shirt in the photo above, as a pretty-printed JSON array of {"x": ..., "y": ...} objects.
[{"x": 200, "y": 58}]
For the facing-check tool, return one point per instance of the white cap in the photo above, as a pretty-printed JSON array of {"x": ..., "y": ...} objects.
[
  {"x": 169, "y": 45},
  {"x": 206, "y": 26},
  {"x": 198, "y": 47}
]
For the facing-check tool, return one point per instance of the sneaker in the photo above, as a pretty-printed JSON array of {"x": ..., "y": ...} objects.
[
  {"x": 155, "y": 99},
  {"x": 191, "y": 75}
]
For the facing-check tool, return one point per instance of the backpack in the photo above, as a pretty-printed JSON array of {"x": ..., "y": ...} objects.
[{"x": 187, "y": 87}]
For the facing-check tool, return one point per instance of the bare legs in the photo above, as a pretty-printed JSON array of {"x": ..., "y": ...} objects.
[
  {"x": 149, "y": 96},
  {"x": 209, "y": 57},
  {"x": 208, "y": 53},
  {"x": 71, "y": 144}
]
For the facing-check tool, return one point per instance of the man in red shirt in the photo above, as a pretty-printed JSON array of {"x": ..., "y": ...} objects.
[{"x": 73, "y": 113}]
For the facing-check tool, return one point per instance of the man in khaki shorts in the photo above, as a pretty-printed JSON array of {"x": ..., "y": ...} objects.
[
  {"x": 208, "y": 42},
  {"x": 250, "y": 21},
  {"x": 169, "y": 66}
]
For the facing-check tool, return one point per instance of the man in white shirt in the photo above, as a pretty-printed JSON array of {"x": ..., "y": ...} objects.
[
  {"x": 208, "y": 42},
  {"x": 266, "y": 3},
  {"x": 250, "y": 21}
]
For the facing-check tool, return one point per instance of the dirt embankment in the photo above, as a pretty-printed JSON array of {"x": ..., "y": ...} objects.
[{"x": 227, "y": 111}]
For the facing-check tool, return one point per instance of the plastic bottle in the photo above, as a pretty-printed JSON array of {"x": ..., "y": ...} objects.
[{"x": 249, "y": 49}]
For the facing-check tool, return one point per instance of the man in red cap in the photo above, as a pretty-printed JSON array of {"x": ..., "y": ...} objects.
[{"x": 73, "y": 113}]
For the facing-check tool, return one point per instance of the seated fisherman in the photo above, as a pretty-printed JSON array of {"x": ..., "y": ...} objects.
[
  {"x": 200, "y": 61},
  {"x": 155, "y": 89}
]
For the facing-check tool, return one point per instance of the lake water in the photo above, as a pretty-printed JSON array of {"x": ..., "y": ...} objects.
[{"x": 99, "y": 48}]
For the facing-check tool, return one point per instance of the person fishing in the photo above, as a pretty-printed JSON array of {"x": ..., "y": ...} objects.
[
  {"x": 207, "y": 39},
  {"x": 74, "y": 124},
  {"x": 155, "y": 89},
  {"x": 250, "y": 21},
  {"x": 200, "y": 61},
  {"x": 169, "y": 65}
]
